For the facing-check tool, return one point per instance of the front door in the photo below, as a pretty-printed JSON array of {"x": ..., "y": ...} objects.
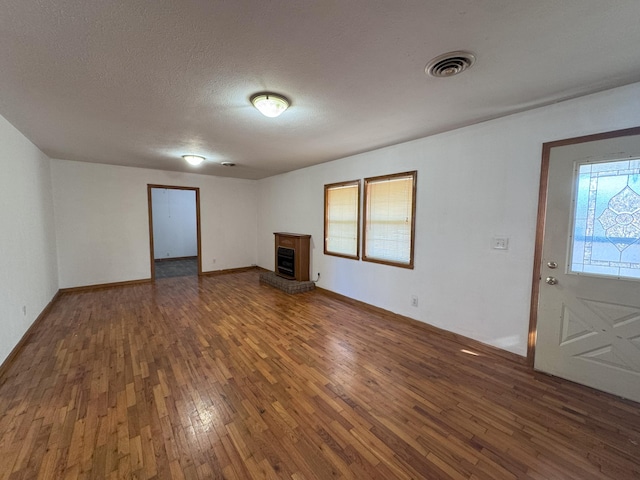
[{"x": 588, "y": 327}]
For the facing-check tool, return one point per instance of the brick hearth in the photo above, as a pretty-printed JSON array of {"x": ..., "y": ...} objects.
[{"x": 287, "y": 286}]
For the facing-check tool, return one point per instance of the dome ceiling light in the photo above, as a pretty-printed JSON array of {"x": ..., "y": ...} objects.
[
  {"x": 194, "y": 160},
  {"x": 270, "y": 104}
]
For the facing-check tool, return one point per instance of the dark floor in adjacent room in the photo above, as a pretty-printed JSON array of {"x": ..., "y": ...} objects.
[{"x": 180, "y": 267}]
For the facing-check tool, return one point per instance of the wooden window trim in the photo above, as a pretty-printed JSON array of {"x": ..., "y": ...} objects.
[
  {"x": 365, "y": 258},
  {"x": 327, "y": 187}
]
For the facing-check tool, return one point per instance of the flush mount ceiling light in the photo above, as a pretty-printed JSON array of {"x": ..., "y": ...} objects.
[
  {"x": 449, "y": 64},
  {"x": 194, "y": 160},
  {"x": 270, "y": 104},
  {"x": 227, "y": 164}
]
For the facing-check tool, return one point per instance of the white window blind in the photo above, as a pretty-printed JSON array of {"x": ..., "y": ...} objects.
[
  {"x": 341, "y": 219},
  {"x": 389, "y": 219}
]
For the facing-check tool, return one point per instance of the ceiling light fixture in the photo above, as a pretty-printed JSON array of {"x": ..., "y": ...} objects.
[
  {"x": 194, "y": 160},
  {"x": 270, "y": 104}
]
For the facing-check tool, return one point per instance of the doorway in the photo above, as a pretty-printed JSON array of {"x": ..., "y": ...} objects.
[
  {"x": 586, "y": 301},
  {"x": 174, "y": 231}
]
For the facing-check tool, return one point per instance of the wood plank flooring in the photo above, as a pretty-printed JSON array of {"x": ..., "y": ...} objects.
[{"x": 223, "y": 378}]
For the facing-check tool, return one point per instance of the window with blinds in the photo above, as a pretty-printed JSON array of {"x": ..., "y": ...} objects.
[
  {"x": 389, "y": 219},
  {"x": 342, "y": 219}
]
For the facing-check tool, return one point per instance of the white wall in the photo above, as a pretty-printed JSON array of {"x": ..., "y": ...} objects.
[
  {"x": 473, "y": 184},
  {"x": 102, "y": 221},
  {"x": 28, "y": 270},
  {"x": 174, "y": 223}
]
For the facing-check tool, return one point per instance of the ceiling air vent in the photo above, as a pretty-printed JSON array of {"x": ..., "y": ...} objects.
[
  {"x": 227, "y": 164},
  {"x": 449, "y": 64}
]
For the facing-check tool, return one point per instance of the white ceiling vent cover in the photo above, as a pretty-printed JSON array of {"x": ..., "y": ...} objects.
[{"x": 449, "y": 64}]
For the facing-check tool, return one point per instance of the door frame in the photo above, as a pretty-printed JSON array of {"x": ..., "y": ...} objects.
[
  {"x": 198, "y": 229},
  {"x": 542, "y": 211}
]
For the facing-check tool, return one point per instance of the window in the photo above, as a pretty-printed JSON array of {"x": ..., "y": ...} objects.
[
  {"x": 389, "y": 219},
  {"x": 606, "y": 225},
  {"x": 342, "y": 219}
]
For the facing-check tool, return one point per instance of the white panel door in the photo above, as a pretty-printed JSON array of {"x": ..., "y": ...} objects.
[{"x": 589, "y": 297}]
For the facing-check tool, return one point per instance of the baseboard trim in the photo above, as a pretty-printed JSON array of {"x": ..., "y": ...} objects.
[
  {"x": 466, "y": 342},
  {"x": 213, "y": 273},
  {"x": 25, "y": 338},
  {"x": 99, "y": 286}
]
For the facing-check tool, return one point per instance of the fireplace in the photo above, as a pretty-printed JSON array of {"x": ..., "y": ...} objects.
[
  {"x": 292, "y": 256},
  {"x": 286, "y": 262}
]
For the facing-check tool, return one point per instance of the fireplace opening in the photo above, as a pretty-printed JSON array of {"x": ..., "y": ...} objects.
[{"x": 286, "y": 262}]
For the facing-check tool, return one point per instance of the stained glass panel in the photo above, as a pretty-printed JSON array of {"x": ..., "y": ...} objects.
[{"x": 606, "y": 227}]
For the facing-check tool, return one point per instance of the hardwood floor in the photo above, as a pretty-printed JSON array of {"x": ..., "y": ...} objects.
[{"x": 221, "y": 377}]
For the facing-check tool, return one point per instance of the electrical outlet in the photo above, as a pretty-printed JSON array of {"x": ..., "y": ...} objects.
[
  {"x": 500, "y": 243},
  {"x": 24, "y": 310},
  {"x": 213, "y": 261},
  {"x": 414, "y": 300}
]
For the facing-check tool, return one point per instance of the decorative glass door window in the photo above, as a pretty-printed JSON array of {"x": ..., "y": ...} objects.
[{"x": 606, "y": 226}]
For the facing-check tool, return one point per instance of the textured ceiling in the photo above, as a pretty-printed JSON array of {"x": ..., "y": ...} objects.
[{"x": 139, "y": 83}]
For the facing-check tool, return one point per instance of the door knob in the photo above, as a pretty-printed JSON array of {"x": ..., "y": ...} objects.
[{"x": 551, "y": 280}]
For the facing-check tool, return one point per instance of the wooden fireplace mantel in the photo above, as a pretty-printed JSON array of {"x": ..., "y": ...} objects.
[{"x": 300, "y": 244}]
